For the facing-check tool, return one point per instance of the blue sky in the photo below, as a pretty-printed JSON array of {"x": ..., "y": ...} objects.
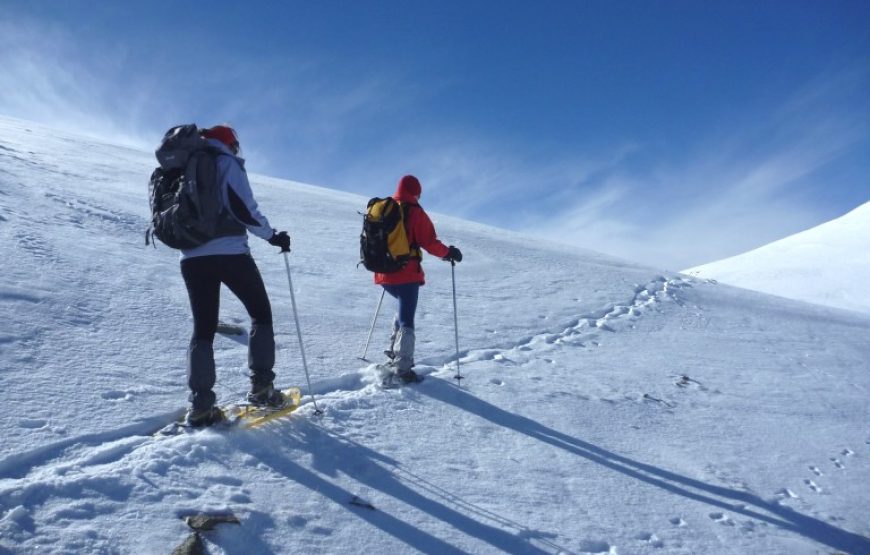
[{"x": 672, "y": 133}]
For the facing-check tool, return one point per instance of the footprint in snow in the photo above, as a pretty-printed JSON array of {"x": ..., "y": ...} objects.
[
  {"x": 813, "y": 486},
  {"x": 116, "y": 395},
  {"x": 747, "y": 526},
  {"x": 595, "y": 546},
  {"x": 837, "y": 463},
  {"x": 677, "y": 521},
  {"x": 651, "y": 539},
  {"x": 32, "y": 423},
  {"x": 721, "y": 518},
  {"x": 787, "y": 493},
  {"x": 686, "y": 382},
  {"x": 816, "y": 471}
]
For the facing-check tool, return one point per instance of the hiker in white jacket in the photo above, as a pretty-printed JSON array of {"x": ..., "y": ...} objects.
[{"x": 227, "y": 260}]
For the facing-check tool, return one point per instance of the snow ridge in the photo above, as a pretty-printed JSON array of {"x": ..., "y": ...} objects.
[{"x": 828, "y": 264}]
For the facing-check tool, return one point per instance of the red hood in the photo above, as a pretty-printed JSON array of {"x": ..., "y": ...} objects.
[{"x": 408, "y": 189}]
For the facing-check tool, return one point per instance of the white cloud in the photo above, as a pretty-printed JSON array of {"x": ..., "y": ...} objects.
[
  {"x": 741, "y": 190},
  {"x": 754, "y": 185},
  {"x": 275, "y": 100},
  {"x": 44, "y": 80}
]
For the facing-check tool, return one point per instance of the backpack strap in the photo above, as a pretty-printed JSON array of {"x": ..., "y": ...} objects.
[{"x": 415, "y": 253}]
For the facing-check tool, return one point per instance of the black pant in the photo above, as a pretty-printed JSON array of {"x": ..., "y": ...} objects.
[{"x": 203, "y": 276}]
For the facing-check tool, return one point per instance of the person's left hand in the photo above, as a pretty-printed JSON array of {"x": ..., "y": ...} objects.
[
  {"x": 280, "y": 239},
  {"x": 453, "y": 254}
]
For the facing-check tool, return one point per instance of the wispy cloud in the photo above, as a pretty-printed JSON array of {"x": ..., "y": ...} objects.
[
  {"x": 758, "y": 182},
  {"x": 51, "y": 77},
  {"x": 752, "y": 184},
  {"x": 470, "y": 175},
  {"x": 44, "y": 80}
]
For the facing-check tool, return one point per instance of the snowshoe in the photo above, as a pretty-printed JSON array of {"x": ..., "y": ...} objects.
[
  {"x": 203, "y": 417},
  {"x": 266, "y": 396},
  {"x": 392, "y": 378},
  {"x": 409, "y": 376}
]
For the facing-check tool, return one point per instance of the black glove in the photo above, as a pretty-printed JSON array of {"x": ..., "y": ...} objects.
[
  {"x": 453, "y": 254},
  {"x": 280, "y": 239}
]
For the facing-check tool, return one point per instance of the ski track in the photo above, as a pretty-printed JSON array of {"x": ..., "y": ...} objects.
[{"x": 76, "y": 468}]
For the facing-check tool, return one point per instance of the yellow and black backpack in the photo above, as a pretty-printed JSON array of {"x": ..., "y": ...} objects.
[{"x": 384, "y": 246}]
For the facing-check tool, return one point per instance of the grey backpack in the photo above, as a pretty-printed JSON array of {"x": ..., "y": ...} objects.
[{"x": 185, "y": 196}]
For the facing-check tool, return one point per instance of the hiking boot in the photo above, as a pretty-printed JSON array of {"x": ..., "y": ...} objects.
[
  {"x": 203, "y": 417},
  {"x": 266, "y": 396}
]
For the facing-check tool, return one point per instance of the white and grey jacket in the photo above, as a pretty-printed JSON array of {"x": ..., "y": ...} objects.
[{"x": 239, "y": 200}]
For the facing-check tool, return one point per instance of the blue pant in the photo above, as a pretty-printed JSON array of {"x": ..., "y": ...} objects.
[{"x": 407, "y": 294}]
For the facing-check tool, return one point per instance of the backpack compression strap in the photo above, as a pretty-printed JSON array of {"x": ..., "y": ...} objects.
[{"x": 415, "y": 251}]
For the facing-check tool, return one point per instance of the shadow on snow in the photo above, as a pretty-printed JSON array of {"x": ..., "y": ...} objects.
[
  {"x": 735, "y": 501},
  {"x": 335, "y": 455}
]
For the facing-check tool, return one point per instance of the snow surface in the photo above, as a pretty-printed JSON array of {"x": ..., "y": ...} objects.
[
  {"x": 607, "y": 408},
  {"x": 828, "y": 264}
]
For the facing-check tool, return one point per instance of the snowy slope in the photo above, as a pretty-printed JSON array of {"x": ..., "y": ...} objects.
[
  {"x": 607, "y": 408},
  {"x": 828, "y": 264}
]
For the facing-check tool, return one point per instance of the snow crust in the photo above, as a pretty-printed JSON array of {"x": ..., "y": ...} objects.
[
  {"x": 828, "y": 264},
  {"x": 607, "y": 407}
]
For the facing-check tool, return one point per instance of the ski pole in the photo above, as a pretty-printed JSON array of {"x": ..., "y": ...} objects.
[
  {"x": 317, "y": 411},
  {"x": 458, "y": 377},
  {"x": 375, "y": 319}
]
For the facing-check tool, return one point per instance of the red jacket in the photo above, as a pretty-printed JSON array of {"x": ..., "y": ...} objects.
[{"x": 420, "y": 232}]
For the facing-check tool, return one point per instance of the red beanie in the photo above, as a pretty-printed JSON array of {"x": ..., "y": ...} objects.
[
  {"x": 408, "y": 189},
  {"x": 224, "y": 134}
]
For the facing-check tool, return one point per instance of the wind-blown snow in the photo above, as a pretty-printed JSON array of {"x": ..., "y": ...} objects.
[
  {"x": 828, "y": 264},
  {"x": 607, "y": 408}
]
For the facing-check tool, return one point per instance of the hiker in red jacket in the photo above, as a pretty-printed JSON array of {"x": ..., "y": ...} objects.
[{"x": 404, "y": 285}]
